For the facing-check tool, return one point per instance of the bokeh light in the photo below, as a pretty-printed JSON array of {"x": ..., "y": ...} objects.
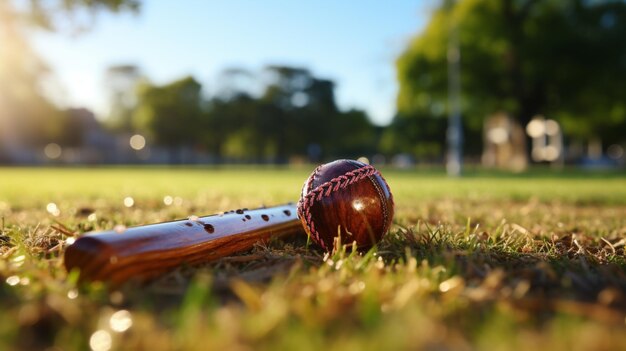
[
  {"x": 552, "y": 127},
  {"x": 129, "y": 201},
  {"x": 536, "y": 128},
  {"x": 615, "y": 151},
  {"x": 137, "y": 142},
  {"x": 498, "y": 135},
  {"x": 72, "y": 294},
  {"x": 550, "y": 153},
  {"x": 100, "y": 341},
  {"x": 178, "y": 201},
  {"x": 13, "y": 280},
  {"x": 53, "y": 151},
  {"x": 53, "y": 209},
  {"x": 168, "y": 200},
  {"x": 120, "y": 321}
]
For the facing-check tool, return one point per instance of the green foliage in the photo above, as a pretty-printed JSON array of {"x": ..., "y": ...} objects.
[
  {"x": 420, "y": 137},
  {"x": 51, "y": 15},
  {"x": 310, "y": 123},
  {"x": 295, "y": 116},
  {"x": 122, "y": 82},
  {"x": 564, "y": 60},
  {"x": 171, "y": 113},
  {"x": 307, "y": 106},
  {"x": 248, "y": 128}
]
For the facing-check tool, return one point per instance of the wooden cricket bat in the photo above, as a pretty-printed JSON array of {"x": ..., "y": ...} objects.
[{"x": 144, "y": 252}]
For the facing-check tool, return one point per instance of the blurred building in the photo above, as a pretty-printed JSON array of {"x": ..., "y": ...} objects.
[
  {"x": 504, "y": 143},
  {"x": 547, "y": 140},
  {"x": 13, "y": 146}
]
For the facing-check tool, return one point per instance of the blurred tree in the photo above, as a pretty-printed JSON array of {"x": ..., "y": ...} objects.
[
  {"x": 296, "y": 115},
  {"x": 74, "y": 127},
  {"x": 237, "y": 118},
  {"x": 422, "y": 137},
  {"x": 59, "y": 14},
  {"x": 243, "y": 132},
  {"x": 352, "y": 135},
  {"x": 234, "y": 82},
  {"x": 171, "y": 115},
  {"x": 121, "y": 83},
  {"x": 562, "y": 59},
  {"x": 307, "y": 106},
  {"x": 27, "y": 118}
]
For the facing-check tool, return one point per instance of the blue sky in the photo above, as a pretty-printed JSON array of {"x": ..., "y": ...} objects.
[{"x": 355, "y": 43}]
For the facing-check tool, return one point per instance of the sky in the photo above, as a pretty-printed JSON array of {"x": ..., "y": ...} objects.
[{"x": 354, "y": 43}]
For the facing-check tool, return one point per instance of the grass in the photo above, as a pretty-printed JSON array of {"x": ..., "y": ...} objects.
[{"x": 490, "y": 261}]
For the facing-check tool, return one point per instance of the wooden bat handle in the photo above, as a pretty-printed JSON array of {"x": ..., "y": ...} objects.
[{"x": 146, "y": 251}]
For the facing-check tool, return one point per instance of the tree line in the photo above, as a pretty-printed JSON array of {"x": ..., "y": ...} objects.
[
  {"x": 293, "y": 114},
  {"x": 565, "y": 60}
]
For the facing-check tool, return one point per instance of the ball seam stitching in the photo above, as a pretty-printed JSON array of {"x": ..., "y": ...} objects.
[
  {"x": 383, "y": 203},
  {"x": 325, "y": 190}
]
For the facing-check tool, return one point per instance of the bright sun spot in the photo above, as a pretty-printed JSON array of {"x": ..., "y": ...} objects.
[{"x": 358, "y": 205}]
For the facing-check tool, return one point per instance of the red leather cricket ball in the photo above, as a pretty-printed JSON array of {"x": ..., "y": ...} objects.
[{"x": 349, "y": 199}]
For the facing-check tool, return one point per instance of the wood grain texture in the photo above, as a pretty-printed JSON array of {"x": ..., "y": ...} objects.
[{"x": 144, "y": 252}]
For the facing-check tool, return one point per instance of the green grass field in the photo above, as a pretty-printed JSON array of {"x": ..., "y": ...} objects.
[{"x": 490, "y": 262}]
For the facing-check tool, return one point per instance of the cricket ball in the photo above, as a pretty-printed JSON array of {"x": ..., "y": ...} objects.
[{"x": 346, "y": 199}]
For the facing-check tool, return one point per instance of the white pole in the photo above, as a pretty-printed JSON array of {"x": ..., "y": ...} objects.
[{"x": 454, "y": 160}]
